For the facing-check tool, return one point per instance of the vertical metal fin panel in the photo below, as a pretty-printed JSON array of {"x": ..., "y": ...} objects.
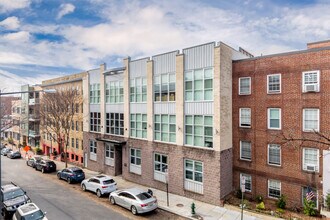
[
  {"x": 114, "y": 108},
  {"x": 138, "y": 108},
  {"x": 199, "y": 108},
  {"x": 115, "y": 77},
  {"x": 94, "y": 108},
  {"x": 164, "y": 108},
  {"x": 94, "y": 76},
  {"x": 138, "y": 68},
  {"x": 199, "y": 56},
  {"x": 164, "y": 63}
]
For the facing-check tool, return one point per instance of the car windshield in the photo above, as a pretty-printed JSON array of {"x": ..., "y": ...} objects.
[
  {"x": 50, "y": 163},
  {"x": 106, "y": 182},
  {"x": 143, "y": 196},
  {"x": 13, "y": 194},
  {"x": 34, "y": 216}
]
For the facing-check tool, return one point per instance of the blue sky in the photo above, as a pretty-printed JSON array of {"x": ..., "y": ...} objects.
[{"x": 42, "y": 39}]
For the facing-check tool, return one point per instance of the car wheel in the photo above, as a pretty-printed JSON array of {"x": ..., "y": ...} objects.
[
  {"x": 59, "y": 176},
  {"x": 98, "y": 193},
  {"x": 42, "y": 170},
  {"x": 69, "y": 180},
  {"x": 27, "y": 164},
  {"x": 83, "y": 187},
  {"x": 112, "y": 200},
  {"x": 133, "y": 210}
]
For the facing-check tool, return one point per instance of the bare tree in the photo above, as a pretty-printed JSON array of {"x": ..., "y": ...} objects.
[{"x": 57, "y": 113}]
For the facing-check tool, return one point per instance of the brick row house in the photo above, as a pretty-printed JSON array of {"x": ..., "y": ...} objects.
[{"x": 276, "y": 97}]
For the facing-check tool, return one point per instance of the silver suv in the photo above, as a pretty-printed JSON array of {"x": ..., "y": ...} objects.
[{"x": 12, "y": 196}]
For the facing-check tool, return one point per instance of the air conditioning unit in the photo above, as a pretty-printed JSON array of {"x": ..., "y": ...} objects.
[
  {"x": 311, "y": 88},
  {"x": 311, "y": 167}
]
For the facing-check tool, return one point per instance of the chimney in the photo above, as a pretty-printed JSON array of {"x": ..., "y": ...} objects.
[{"x": 318, "y": 44}]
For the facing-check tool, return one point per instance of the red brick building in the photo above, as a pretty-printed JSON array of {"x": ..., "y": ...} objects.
[{"x": 275, "y": 95}]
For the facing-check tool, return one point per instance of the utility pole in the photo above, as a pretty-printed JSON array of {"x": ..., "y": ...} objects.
[{"x": 166, "y": 179}]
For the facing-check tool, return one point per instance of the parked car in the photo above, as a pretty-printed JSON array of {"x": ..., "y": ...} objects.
[
  {"x": 100, "y": 185},
  {"x": 14, "y": 155},
  {"x": 5, "y": 151},
  {"x": 29, "y": 211},
  {"x": 12, "y": 197},
  {"x": 134, "y": 199},
  {"x": 46, "y": 166},
  {"x": 33, "y": 161},
  {"x": 71, "y": 174}
]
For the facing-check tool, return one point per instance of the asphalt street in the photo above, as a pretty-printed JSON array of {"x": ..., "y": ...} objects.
[{"x": 65, "y": 201}]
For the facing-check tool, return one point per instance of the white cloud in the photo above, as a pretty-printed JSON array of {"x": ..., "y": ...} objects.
[
  {"x": 10, "y": 23},
  {"x": 10, "y": 5},
  {"x": 65, "y": 9}
]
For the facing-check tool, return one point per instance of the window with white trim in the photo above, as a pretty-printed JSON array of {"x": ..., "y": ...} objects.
[
  {"x": 244, "y": 86},
  {"x": 248, "y": 181},
  {"x": 138, "y": 125},
  {"x": 199, "y": 84},
  {"x": 165, "y": 128},
  {"x": 193, "y": 170},
  {"x": 135, "y": 161},
  {"x": 138, "y": 89},
  {"x": 160, "y": 162},
  {"x": 274, "y": 83},
  {"x": 114, "y": 92},
  {"x": 245, "y": 117},
  {"x": 274, "y": 189},
  {"x": 109, "y": 154},
  {"x": 311, "y": 119},
  {"x": 311, "y": 159},
  {"x": 245, "y": 152},
  {"x": 94, "y": 93},
  {"x": 164, "y": 87},
  {"x": 274, "y": 154},
  {"x": 95, "y": 121},
  {"x": 77, "y": 143},
  {"x": 92, "y": 150},
  {"x": 199, "y": 130},
  {"x": 274, "y": 118},
  {"x": 311, "y": 81},
  {"x": 114, "y": 123}
]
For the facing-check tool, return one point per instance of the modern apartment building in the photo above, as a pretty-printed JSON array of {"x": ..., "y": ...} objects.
[
  {"x": 276, "y": 96},
  {"x": 162, "y": 119},
  {"x": 16, "y": 122},
  {"x": 49, "y": 143}
]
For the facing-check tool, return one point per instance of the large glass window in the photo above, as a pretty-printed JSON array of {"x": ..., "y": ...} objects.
[
  {"x": 199, "y": 84},
  {"x": 274, "y": 83},
  {"x": 160, "y": 162},
  {"x": 311, "y": 119},
  {"x": 138, "y": 125},
  {"x": 138, "y": 89},
  {"x": 244, "y": 86},
  {"x": 311, "y": 81},
  {"x": 164, "y": 87},
  {"x": 95, "y": 121},
  {"x": 94, "y": 93},
  {"x": 245, "y": 117},
  {"x": 165, "y": 128},
  {"x": 193, "y": 170},
  {"x": 92, "y": 146},
  {"x": 311, "y": 159},
  {"x": 136, "y": 156},
  {"x": 199, "y": 130},
  {"x": 109, "y": 151},
  {"x": 274, "y": 118},
  {"x": 114, "y": 92},
  {"x": 245, "y": 152},
  {"x": 274, "y": 154},
  {"x": 114, "y": 123},
  {"x": 274, "y": 188}
]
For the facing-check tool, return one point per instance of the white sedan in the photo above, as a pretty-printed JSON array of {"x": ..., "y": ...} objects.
[{"x": 100, "y": 185}]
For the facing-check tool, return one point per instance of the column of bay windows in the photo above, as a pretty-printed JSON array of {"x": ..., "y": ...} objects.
[
  {"x": 138, "y": 89},
  {"x": 114, "y": 92},
  {"x": 138, "y": 125},
  {"x": 164, "y": 87},
  {"x": 199, "y": 130},
  {"x": 164, "y": 128},
  {"x": 95, "y": 93}
]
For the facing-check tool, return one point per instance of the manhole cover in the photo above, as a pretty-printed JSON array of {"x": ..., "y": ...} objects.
[{"x": 179, "y": 205}]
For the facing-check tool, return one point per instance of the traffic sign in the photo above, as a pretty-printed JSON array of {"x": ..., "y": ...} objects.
[{"x": 26, "y": 148}]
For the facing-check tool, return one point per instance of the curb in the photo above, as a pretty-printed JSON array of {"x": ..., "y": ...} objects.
[{"x": 174, "y": 212}]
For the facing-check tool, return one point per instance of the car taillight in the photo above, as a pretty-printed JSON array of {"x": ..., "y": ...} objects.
[
  {"x": 71, "y": 174},
  {"x": 144, "y": 205},
  {"x": 104, "y": 187}
]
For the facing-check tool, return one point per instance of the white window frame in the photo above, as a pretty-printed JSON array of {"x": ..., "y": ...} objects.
[
  {"x": 240, "y": 118},
  {"x": 274, "y": 92},
  {"x": 317, "y": 166},
  {"x": 248, "y": 177},
  {"x": 134, "y": 167},
  {"x": 240, "y": 152},
  {"x": 268, "y": 156},
  {"x": 111, "y": 149},
  {"x": 159, "y": 174},
  {"x": 239, "y": 86},
  {"x": 193, "y": 185},
  {"x": 280, "y": 188},
  {"x": 92, "y": 150},
  {"x": 193, "y": 90},
  {"x": 268, "y": 119},
  {"x": 318, "y": 80},
  {"x": 318, "y": 120}
]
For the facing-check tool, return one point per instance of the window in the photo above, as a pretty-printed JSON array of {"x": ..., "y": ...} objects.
[
  {"x": 109, "y": 154},
  {"x": 274, "y": 118},
  {"x": 115, "y": 123},
  {"x": 244, "y": 85},
  {"x": 193, "y": 170},
  {"x": 165, "y": 128},
  {"x": 164, "y": 87},
  {"x": 199, "y": 130},
  {"x": 248, "y": 181},
  {"x": 139, "y": 125},
  {"x": 77, "y": 143},
  {"x": 77, "y": 126},
  {"x": 245, "y": 150},
  {"x": 311, "y": 193},
  {"x": 94, "y": 93},
  {"x": 135, "y": 161},
  {"x": 72, "y": 142},
  {"x": 311, "y": 81},
  {"x": 245, "y": 117},
  {"x": 274, "y": 188},
  {"x": 138, "y": 89},
  {"x": 82, "y": 144},
  {"x": 199, "y": 84},
  {"x": 311, "y": 159},
  {"x": 77, "y": 108},
  {"x": 274, "y": 154},
  {"x": 274, "y": 83},
  {"x": 160, "y": 162},
  {"x": 311, "y": 119},
  {"x": 114, "y": 92},
  {"x": 92, "y": 150},
  {"x": 72, "y": 125},
  {"x": 95, "y": 121}
]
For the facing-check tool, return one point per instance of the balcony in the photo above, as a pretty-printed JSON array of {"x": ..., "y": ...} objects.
[
  {"x": 34, "y": 133},
  {"x": 34, "y": 101},
  {"x": 34, "y": 117}
]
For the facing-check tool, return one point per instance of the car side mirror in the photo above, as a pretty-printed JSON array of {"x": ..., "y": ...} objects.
[{"x": 45, "y": 213}]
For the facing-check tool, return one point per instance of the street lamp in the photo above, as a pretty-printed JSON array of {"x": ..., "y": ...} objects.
[{"x": 13, "y": 93}]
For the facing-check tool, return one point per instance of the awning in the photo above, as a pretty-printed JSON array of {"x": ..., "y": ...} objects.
[{"x": 111, "y": 141}]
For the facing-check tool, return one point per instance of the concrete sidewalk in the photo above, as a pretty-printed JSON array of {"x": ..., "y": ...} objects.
[{"x": 178, "y": 204}]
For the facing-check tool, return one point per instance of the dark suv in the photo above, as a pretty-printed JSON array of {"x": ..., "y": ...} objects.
[
  {"x": 71, "y": 174},
  {"x": 46, "y": 166},
  {"x": 12, "y": 196}
]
